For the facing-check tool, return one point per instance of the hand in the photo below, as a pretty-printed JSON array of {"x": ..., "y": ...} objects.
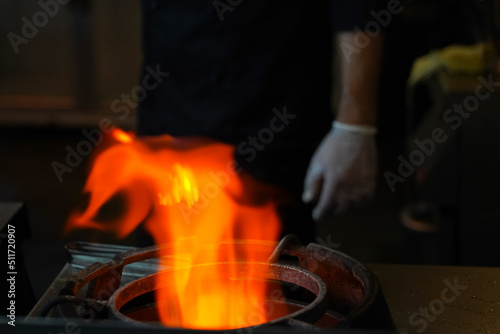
[{"x": 341, "y": 172}]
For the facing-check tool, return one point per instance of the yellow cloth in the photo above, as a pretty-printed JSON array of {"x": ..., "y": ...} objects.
[{"x": 467, "y": 59}]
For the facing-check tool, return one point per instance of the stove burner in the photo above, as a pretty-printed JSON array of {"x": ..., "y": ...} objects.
[
  {"x": 310, "y": 313},
  {"x": 329, "y": 289}
]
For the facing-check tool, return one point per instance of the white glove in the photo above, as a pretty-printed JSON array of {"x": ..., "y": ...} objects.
[{"x": 342, "y": 171}]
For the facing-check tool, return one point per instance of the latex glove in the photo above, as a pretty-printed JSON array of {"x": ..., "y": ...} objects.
[{"x": 342, "y": 171}]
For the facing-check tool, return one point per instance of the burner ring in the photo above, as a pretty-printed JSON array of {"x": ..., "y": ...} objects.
[
  {"x": 297, "y": 276},
  {"x": 353, "y": 296}
]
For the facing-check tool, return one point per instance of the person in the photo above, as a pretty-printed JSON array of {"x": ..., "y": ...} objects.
[{"x": 258, "y": 75}]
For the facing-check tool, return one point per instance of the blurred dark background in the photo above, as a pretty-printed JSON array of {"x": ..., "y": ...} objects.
[{"x": 66, "y": 77}]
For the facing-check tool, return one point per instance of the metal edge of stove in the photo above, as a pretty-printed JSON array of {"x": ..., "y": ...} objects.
[
  {"x": 374, "y": 310},
  {"x": 53, "y": 290},
  {"x": 39, "y": 325},
  {"x": 83, "y": 254}
]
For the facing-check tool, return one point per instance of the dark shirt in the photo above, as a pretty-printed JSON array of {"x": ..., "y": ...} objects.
[{"x": 236, "y": 66}]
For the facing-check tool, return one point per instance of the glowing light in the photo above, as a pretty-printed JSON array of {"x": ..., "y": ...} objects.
[{"x": 122, "y": 136}]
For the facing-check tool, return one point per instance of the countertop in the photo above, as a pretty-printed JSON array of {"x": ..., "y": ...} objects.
[{"x": 441, "y": 299}]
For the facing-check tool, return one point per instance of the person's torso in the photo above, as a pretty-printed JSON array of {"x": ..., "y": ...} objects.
[{"x": 234, "y": 65}]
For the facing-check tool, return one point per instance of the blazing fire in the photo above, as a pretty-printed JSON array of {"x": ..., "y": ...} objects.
[{"x": 187, "y": 193}]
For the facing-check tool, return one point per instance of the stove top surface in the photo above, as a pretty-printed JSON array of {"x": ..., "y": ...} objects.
[
  {"x": 434, "y": 299},
  {"x": 430, "y": 299}
]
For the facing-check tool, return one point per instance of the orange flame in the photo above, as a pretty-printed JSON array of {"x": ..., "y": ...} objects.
[{"x": 187, "y": 193}]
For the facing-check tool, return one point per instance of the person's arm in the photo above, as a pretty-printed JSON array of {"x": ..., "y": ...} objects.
[
  {"x": 359, "y": 73},
  {"x": 343, "y": 169}
]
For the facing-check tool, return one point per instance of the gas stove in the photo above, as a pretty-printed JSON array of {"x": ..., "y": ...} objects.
[
  {"x": 430, "y": 299},
  {"x": 324, "y": 288}
]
